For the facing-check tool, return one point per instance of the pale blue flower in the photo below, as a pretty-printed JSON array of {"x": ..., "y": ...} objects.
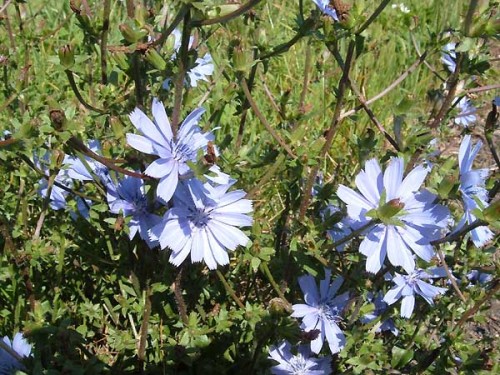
[
  {"x": 128, "y": 197},
  {"x": 473, "y": 190},
  {"x": 408, "y": 219},
  {"x": 19, "y": 345},
  {"x": 479, "y": 277},
  {"x": 298, "y": 364},
  {"x": 204, "y": 67},
  {"x": 322, "y": 311},
  {"x": 339, "y": 230},
  {"x": 496, "y": 101},
  {"x": 326, "y": 8},
  {"x": 449, "y": 57},
  {"x": 467, "y": 115},
  {"x": 58, "y": 194},
  {"x": 87, "y": 169},
  {"x": 203, "y": 222},
  {"x": 380, "y": 308},
  {"x": 409, "y": 285},
  {"x": 174, "y": 152}
]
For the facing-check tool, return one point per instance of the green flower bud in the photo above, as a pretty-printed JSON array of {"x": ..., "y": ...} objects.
[
  {"x": 66, "y": 56},
  {"x": 153, "y": 57},
  {"x": 121, "y": 60},
  {"x": 491, "y": 214},
  {"x": 390, "y": 209},
  {"x": 131, "y": 33},
  {"x": 242, "y": 59},
  {"x": 278, "y": 307}
]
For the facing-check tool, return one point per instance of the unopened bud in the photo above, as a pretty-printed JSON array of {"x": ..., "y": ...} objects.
[
  {"x": 58, "y": 156},
  {"x": 242, "y": 59},
  {"x": 491, "y": 214},
  {"x": 58, "y": 119},
  {"x": 390, "y": 209},
  {"x": 121, "y": 60},
  {"x": 67, "y": 56},
  {"x": 131, "y": 34},
  {"x": 154, "y": 58},
  {"x": 278, "y": 307}
]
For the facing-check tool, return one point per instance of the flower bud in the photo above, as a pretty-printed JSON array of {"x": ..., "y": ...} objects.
[
  {"x": 66, "y": 56},
  {"x": 278, "y": 307},
  {"x": 58, "y": 119},
  {"x": 121, "y": 60},
  {"x": 242, "y": 58},
  {"x": 491, "y": 214},
  {"x": 130, "y": 33},
  {"x": 390, "y": 209},
  {"x": 154, "y": 58},
  {"x": 58, "y": 156}
]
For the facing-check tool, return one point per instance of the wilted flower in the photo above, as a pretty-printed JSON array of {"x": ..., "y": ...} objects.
[
  {"x": 299, "y": 364},
  {"x": 326, "y": 8},
  {"x": 467, "y": 113},
  {"x": 322, "y": 311},
  {"x": 472, "y": 187},
  {"x": 339, "y": 230},
  {"x": 409, "y": 285},
  {"x": 203, "y": 222},
  {"x": 380, "y": 307},
  {"x": 174, "y": 152},
  {"x": 405, "y": 219},
  {"x": 449, "y": 57},
  {"x": 128, "y": 196},
  {"x": 19, "y": 345}
]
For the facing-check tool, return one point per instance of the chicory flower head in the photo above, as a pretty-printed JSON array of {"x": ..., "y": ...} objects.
[
  {"x": 174, "y": 152},
  {"x": 128, "y": 196},
  {"x": 322, "y": 311},
  {"x": 203, "y": 222},
  {"x": 449, "y": 57},
  {"x": 405, "y": 219},
  {"x": 413, "y": 283},
  {"x": 326, "y": 8},
  {"x": 19, "y": 345},
  {"x": 78, "y": 170},
  {"x": 298, "y": 364},
  {"x": 472, "y": 188},
  {"x": 380, "y": 307},
  {"x": 57, "y": 194},
  {"x": 467, "y": 115}
]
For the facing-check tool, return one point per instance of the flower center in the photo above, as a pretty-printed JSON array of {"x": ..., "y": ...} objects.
[
  {"x": 199, "y": 217},
  {"x": 140, "y": 205},
  {"x": 328, "y": 312},
  {"x": 298, "y": 365}
]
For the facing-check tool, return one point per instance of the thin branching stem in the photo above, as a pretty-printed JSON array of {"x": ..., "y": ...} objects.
[
  {"x": 331, "y": 131},
  {"x": 264, "y": 268},
  {"x": 79, "y": 96},
  {"x": 450, "y": 275},
  {"x": 141, "y": 353},
  {"x": 374, "y": 16},
  {"x": 458, "y": 234},
  {"x": 354, "y": 234},
  {"x": 229, "y": 290},
  {"x": 489, "y": 294},
  {"x": 179, "y": 299},
  {"x": 261, "y": 117},
  {"x": 104, "y": 41}
]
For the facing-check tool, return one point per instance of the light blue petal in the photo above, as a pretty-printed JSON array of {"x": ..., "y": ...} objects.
[
  {"x": 392, "y": 177},
  {"x": 407, "y": 305}
]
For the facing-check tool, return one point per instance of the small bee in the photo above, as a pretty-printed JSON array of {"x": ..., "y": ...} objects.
[{"x": 210, "y": 157}]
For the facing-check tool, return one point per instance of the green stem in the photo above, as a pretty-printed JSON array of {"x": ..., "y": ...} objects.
[
  {"x": 264, "y": 268},
  {"x": 229, "y": 289}
]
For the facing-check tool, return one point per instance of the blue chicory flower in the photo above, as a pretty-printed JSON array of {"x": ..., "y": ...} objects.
[
  {"x": 380, "y": 307},
  {"x": 449, "y": 56},
  {"x": 409, "y": 285},
  {"x": 472, "y": 188},
  {"x": 414, "y": 219},
  {"x": 89, "y": 168},
  {"x": 174, "y": 152},
  {"x": 467, "y": 115},
  {"x": 128, "y": 196},
  {"x": 479, "y": 277},
  {"x": 326, "y": 8},
  {"x": 322, "y": 311},
  {"x": 19, "y": 345},
  {"x": 57, "y": 194},
  {"x": 496, "y": 101},
  {"x": 203, "y": 222},
  {"x": 300, "y": 364}
]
